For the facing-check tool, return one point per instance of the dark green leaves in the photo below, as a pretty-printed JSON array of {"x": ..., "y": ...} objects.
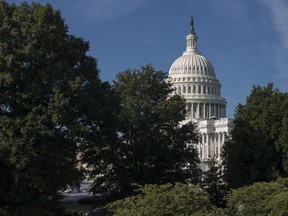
[
  {"x": 152, "y": 146},
  {"x": 51, "y": 101},
  {"x": 256, "y": 148},
  {"x": 168, "y": 199},
  {"x": 259, "y": 199}
]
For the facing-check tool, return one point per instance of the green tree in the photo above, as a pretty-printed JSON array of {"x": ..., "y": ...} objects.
[
  {"x": 213, "y": 183},
  {"x": 51, "y": 98},
  {"x": 168, "y": 199},
  {"x": 255, "y": 151},
  {"x": 282, "y": 142},
  {"x": 153, "y": 147},
  {"x": 261, "y": 198}
]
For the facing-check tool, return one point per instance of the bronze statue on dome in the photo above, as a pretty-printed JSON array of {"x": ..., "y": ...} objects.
[{"x": 192, "y": 26}]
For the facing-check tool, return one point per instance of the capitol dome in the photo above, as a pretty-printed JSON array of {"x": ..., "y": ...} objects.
[
  {"x": 192, "y": 63},
  {"x": 193, "y": 77}
]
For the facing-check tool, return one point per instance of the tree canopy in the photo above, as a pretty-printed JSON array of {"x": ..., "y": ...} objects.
[
  {"x": 152, "y": 146},
  {"x": 168, "y": 199},
  {"x": 51, "y": 98},
  {"x": 261, "y": 198},
  {"x": 257, "y": 150}
]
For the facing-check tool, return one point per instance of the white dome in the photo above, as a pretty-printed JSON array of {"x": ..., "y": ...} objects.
[
  {"x": 194, "y": 78},
  {"x": 192, "y": 64}
]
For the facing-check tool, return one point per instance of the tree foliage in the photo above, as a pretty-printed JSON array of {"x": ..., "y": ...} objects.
[
  {"x": 51, "y": 98},
  {"x": 168, "y": 199},
  {"x": 152, "y": 147},
  {"x": 261, "y": 198},
  {"x": 257, "y": 150},
  {"x": 214, "y": 184}
]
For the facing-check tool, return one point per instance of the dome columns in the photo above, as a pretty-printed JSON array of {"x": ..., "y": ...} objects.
[
  {"x": 199, "y": 88},
  {"x": 205, "y": 110}
]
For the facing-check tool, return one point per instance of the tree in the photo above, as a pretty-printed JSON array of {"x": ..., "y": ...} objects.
[
  {"x": 51, "y": 98},
  {"x": 261, "y": 198},
  {"x": 168, "y": 199},
  {"x": 255, "y": 152},
  {"x": 153, "y": 148},
  {"x": 213, "y": 183},
  {"x": 282, "y": 142}
]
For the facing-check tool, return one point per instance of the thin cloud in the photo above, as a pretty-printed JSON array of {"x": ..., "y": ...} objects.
[
  {"x": 279, "y": 14},
  {"x": 278, "y": 10},
  {"x": 145, "y": 38},
  {"x": 236, "y": 9},
  {"x": 93, "y": 11},
  {"x": 153, "y": 42},
  {"x": 102, "y": 10},
  {"x": 281, "y": 63}
]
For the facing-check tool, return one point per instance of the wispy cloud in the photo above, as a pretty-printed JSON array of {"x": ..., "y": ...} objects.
[
  {"x": 278, "y": 10},
  {"x": 102, "y": 10},
  {"x": 93, "y": 10},
  {"x": 281, "y": 62},
  {"x": 279, "y": 14},
  {"x": 145, "y": 38},
  {"x": 236, "y": 9}
]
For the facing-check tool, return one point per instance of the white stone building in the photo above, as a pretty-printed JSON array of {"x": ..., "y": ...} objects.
[{"x": 194, "y": 78}]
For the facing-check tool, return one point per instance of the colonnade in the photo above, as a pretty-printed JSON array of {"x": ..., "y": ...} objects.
[
  {"x": 198, "y": 89},
  {"x": 205, "y": 110},
  {"x": 211, "y": 145}
]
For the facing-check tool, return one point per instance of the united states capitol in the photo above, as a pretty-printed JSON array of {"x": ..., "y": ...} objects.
[{"x": 194, "y": 78}]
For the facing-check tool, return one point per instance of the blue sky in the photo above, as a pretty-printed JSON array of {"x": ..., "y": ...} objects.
[{"x": 245, "y": 40}]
